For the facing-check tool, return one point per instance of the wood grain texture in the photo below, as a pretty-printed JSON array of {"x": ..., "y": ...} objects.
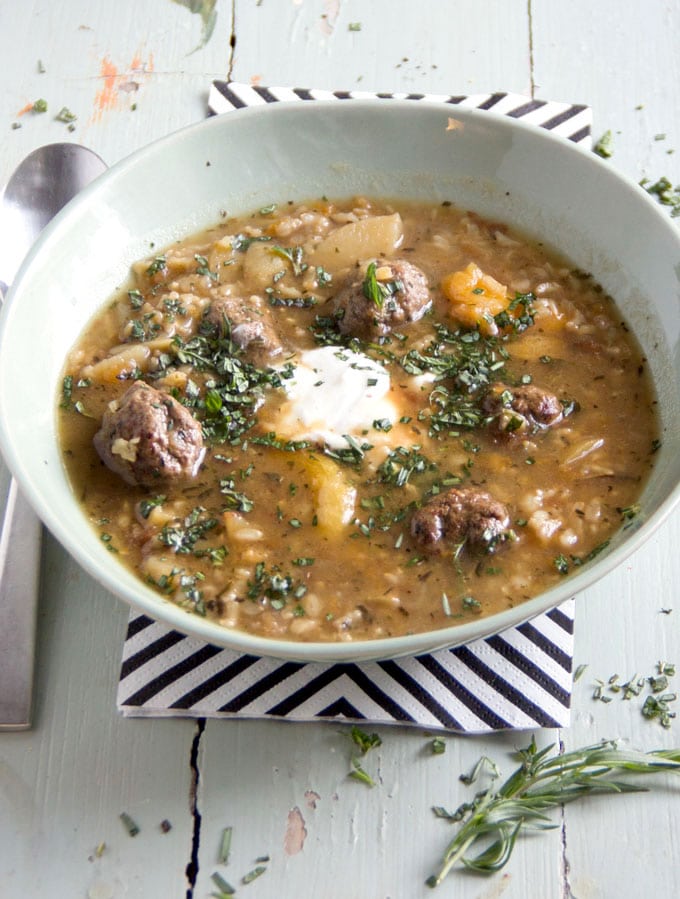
[{"x": 284, "y": 788}]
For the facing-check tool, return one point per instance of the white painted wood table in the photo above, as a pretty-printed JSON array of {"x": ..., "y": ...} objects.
[{"x": 132, "y": 72}]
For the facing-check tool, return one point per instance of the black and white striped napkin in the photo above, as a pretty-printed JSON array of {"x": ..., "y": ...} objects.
[{"x": 519, "y": 679}]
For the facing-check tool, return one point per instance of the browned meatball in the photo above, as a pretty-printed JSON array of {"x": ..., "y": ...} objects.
[
  {"x": 403, "y": 297},
  {"x": 461, "y": 515},
  {"x": 250, "y": 322},
  {"x": 516, "y": 409},
  {"x": 146, "y": 437}
]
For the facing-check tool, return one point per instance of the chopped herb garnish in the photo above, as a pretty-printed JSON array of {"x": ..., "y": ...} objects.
[
  {"x": 182, "y": 538},
  {"x": 293, "y": 255},
  {"x": 65, "y": 115},
  {"x": 358, "y": 773},
  {"x": 578, "y": 674},
  {"x": 364, "y": 741},
  {"x": 225, "y": 888},
  {"x": 39, "y": 106},
  {"x": 402, "y": 463},
  {"x": 378, "y": 291},
  {"x": 156, "y": 266},
  {"x": 234, "y": 498},
  {"x": 253, "y": 875},
  {"x": 561, "y": 563},
  {"x": 438, "y": 746},
  {"x": 66, "y": 391},
  {"x": 471, "y": 604},
  {"x": 147, "y": 505},
  {"x": 604, "y": 147},
  {"x": 665, "y": 193},
  {"x": 129, "y": 824},
  {"x": 240, "y": 242},
  {"x": 225, "y": 846}
]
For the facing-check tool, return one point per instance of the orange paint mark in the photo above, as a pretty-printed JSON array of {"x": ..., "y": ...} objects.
[
  {"x": 255, "y": 80},
  {"x": 27, "y": 108},
  {"x": 117, "y": 84},
  {"x": 106, "y": 97}
]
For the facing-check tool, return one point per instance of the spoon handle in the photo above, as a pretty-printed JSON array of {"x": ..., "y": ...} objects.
[{"x": 19, "y": 577}]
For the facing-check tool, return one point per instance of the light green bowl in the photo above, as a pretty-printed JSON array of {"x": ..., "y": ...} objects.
[{"x": 497, "y": 166}]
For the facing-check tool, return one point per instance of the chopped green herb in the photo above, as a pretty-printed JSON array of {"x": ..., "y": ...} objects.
[
  {"x": 39, "y": 106},
  {"x": 561, "y": 563},
  {"x": 65, "y": 115},
  {"x": 225, "y": 888},
  {"x": 603, "y": 147},
  {"x": 358, "y": 773},
  {"x": 156, "y": 266},
  {"x": 66, "y": 391},
  {"x": 147, "y": 505},
  {"x": 471, "y": 604},
  {"x": 225, "y": 846},
  {"x": 234, "y": 498},
  {"x": 578, "y": 674},
  {"x": 129, "y": 824},
  {"x": 253, "y": 875},
  {"x": 364, "y": 741},
  {"x": 438, "y": 746},
  {"x": 378, "y": 291},
  {"x": 293, "y": 255},
  {"x": 665, "y": 193},
  {"x": 182, "y": 538}
]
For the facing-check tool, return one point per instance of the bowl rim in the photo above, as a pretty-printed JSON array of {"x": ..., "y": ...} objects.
[{"x": 169, "y": 614}]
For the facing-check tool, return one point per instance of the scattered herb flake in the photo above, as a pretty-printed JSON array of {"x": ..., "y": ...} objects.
[
  {"x": 253, "y": 875},
  {"x": 65, "y": 115},
  {"x": 603, "y": 147},
  {"x": 225, "y": 846},
  {"x": 130, "y": 825}
]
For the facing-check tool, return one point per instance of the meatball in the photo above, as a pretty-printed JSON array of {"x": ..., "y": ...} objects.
[
  {"x": 461, "y": 515},
  {"x": 146, "y": 437},
  {"x": 250, "y": 325},
  {"x": 403, "y": 293},
  {"x": 516, "y": 409}
]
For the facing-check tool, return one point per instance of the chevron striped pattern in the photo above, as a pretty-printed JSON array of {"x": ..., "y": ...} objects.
[
  {"x": 519, "y": 679},
  {"x": 570, "y": 120}
]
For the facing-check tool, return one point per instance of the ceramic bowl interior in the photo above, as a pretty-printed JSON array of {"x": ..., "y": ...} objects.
[{"x": 501, "y": 168}]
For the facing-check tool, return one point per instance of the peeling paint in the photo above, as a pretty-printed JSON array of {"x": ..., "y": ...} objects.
[
  {"x": 329, "y": 16},
  {"x": 311, "y": 799},
  {"x": 296, "y": 832},
  {"x": 498, "y": 888}
]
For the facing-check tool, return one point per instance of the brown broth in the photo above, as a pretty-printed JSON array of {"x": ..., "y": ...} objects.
[{"x": 258, "y": 539}]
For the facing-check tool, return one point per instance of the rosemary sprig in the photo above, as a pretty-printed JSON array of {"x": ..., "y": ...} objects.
[{"x": 543, "y": 781}]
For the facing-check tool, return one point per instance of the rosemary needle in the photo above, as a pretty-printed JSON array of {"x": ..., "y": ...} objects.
[{"x": 493, "y": 820}]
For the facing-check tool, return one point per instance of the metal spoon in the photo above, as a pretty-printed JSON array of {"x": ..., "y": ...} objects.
[{"x": 42, "y": 184}]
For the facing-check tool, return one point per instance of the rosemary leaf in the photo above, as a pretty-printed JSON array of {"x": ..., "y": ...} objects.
[{"x": 492, "y": 821}]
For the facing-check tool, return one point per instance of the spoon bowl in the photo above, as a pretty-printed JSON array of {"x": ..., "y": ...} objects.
[{"x": 38, "y": 189}]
